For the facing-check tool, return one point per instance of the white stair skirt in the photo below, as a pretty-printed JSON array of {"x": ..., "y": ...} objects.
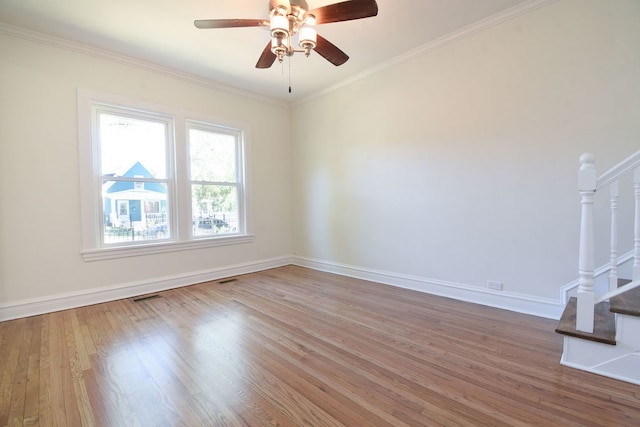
[{"x": 621, "y": 361}]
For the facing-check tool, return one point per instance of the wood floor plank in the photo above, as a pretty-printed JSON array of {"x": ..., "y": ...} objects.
[
  {"x": 293, "y": 346},
  {"x": 45, "y": 408},
  {"x": 65, "y": 403},
  {"x": 10, "y": 358},
  {"x": 19, "y": 389},
  {"x": 31, "y": 406},
  {"x": 79, "y": 363}
]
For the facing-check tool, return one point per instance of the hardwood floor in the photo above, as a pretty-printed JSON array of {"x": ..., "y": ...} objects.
[{"x": 294, "y": 347}]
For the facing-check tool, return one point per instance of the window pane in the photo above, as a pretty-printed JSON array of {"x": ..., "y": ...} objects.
[
  {"x": 213, "y": 156},
  {"x": 134, "y": 210},
  {"x": 127, "y": 143},
  {"x": 215, "y": 209}
]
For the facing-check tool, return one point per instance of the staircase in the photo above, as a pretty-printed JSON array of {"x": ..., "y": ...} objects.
[
  {"x": 613, "y": 348},
  {"x": 602, "y": 334}
]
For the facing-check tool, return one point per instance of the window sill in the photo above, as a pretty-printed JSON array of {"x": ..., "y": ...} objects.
[{"x": 160, "y": 248}]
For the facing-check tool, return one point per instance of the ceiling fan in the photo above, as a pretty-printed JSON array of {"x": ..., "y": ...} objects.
[{"x": 289, "y": 17}]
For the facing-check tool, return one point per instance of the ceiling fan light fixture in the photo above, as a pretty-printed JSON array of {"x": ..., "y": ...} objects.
[
  {"x": 277, "y": 43},
  {"x": 310, "y": 19},
  {"x": 279, "y": 26},
  {"x": 279, "y": 47},
  {"x": 308, "y": 39},
  {"x": 281, "y": 10}
]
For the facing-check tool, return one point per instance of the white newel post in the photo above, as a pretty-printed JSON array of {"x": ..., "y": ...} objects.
[
  {"x": 613, "y": 274},
  {"x": 636, "y": 232},
  {"x": 586, "y": 298}
]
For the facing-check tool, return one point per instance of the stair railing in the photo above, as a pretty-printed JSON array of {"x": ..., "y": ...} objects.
[
  {"x": 588, "y": 185},
  {"x": 618, "y": 291}
]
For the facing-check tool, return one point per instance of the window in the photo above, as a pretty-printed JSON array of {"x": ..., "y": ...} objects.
[
  {"x": 215, "y": 188},
  {"x": 157, "y": 180},
  {"x": 132, "y": 149}
]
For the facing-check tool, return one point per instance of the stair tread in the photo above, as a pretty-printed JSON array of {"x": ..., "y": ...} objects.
[
  {"x": 604, "y": 330},
  {"x": 627, "y": 303}
]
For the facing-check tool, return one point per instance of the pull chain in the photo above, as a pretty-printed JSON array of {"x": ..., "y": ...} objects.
[{"x": 289, "y": 74}]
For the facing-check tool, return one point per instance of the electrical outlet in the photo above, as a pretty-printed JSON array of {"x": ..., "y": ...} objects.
[{"x": 496, "y": 286}]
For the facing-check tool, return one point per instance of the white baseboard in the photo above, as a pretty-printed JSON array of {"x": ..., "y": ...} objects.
[
  {"x": 32, "y": 307},
  {"x": 526, "y": 304}
]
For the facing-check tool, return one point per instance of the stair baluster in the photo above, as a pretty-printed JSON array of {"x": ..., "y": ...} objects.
[
  {"x": 586, "y": 297},
  {"x": 613, "y": 273},
  {"x": 636, "y": 232}
]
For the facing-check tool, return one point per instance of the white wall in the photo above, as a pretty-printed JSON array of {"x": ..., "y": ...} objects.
[
  {"x": 40, "y": 239},
  {"x": 460, "y": 164}
]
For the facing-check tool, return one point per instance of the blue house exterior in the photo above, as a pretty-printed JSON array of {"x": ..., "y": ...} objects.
[{"x": 141, "y": 204}]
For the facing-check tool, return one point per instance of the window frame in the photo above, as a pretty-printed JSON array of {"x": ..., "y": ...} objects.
[
  {"x": 199, "y": 125},
  {"x": 98, "y": 108},
  {"x": 178, "y": 178}
]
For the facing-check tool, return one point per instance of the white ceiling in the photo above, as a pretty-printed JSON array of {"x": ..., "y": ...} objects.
[{"x": 162, "y": 32}]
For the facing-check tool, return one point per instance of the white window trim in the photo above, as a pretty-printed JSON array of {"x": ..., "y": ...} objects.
[
  {"x": 90, "y": 212},
  {"x": 240, "y": 156}
]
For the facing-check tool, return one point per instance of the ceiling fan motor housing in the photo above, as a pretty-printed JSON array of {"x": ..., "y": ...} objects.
[{"x": 297, "y": 8}]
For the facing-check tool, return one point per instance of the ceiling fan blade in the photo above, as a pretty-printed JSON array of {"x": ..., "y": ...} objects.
[
  {"x": 345, "y": 11},
  {"x": 330, "y": 52},
  {"x": 267, "y": 58},
  {"x": 229, "y": 23}
]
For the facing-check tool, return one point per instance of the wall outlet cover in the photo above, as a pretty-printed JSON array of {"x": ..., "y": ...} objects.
[{"x": 497, "y": 286}]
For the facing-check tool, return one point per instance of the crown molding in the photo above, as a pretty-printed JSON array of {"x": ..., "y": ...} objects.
[
  {"x": 482, "y": 25},
  {"x": 119, "y": 58}
]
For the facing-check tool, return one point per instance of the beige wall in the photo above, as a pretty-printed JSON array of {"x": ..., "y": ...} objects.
[
  {"x": 460, "y": 164},
  {"x": 40, "y": 239}
]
